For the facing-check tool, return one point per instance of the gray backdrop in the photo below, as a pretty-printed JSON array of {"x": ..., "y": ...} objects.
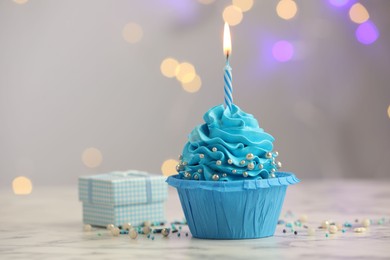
[{"x": 69, "y": 81}]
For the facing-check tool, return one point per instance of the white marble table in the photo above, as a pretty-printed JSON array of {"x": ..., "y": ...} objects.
[{"x": 47, "y": 225}]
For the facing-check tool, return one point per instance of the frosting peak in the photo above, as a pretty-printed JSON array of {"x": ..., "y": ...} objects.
[{"x": 229, "y": 146}]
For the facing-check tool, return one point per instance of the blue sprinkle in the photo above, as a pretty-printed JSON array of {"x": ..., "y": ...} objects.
[
  {"x": 152, "y": 238},
  {"x": 343, "y": 230},
  {"x": 178, "y": 234},
  {"x": 281, "y": 222},
  {"x": 347, "y": 224},
  {"x": 288, "y": 225},
  {"x": 326, "y": 235},
  {"x": 297, "y": 223}
]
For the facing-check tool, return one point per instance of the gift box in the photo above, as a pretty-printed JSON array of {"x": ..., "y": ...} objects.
[{"x": 122, "y": 197}]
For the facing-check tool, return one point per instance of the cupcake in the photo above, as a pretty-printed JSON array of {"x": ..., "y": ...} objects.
[{"x": 229, "y": 179}]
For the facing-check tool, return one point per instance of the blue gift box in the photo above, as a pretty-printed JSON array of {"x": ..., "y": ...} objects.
[{"x": 122, "y": 197}]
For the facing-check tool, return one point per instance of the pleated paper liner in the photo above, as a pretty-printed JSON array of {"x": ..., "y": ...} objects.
[{"x": 233, "y": 210}]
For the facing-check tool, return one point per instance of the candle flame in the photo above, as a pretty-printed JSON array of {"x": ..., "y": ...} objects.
[{"x": 227, "y": 42}]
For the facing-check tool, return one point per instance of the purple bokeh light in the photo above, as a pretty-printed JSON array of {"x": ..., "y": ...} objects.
[
  {"x": 338, "y": 3},
  {"x": 367, "y": 33},
  {"x": 283, "y": 51}
]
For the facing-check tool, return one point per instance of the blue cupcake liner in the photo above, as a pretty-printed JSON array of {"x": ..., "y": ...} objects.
[{"x": 233, "y": 210}]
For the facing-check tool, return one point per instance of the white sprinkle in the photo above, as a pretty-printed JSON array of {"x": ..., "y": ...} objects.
[
  {"x": 311, "y": 231},
  {"x": 366, "y": 222},
  {"x": 359, "y": 230},
  {"x": 333, "y": 229},
  {"x": 303, "y": 218}
]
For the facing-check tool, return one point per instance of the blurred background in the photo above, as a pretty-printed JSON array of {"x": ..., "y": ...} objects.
[{"x": 92, "y": 86}]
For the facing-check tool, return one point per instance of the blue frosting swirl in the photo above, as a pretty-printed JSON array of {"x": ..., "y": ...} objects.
[{"x": 229, "y": 146}]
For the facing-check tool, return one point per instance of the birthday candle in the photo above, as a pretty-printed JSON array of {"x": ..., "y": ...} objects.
[{"x": 227, "y": 49}]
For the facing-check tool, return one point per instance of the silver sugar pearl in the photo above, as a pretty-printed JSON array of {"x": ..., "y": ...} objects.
[
  {"x": 179, "y": 167},
  {"x": 272, "y": 170},
  {"x": 250, "y": 156},
  {"x": 127, "y": 226},
  {"x": 200, "y": 170},
  {"x": 146, "y": 230},
  {"x": 165, "y": 232},
  {"x": 224, "y": 175},
  {"x": 242, "y": 162},
  {"x": 196, "y": 177},
  {"x": 180, "y": 157},
  {"x": 234, "y": 171},
  {"x": 187, "y": 175},
  {"x": 230, "y": 161},
  {"x": 110, "y": 226},
  {"x": 279, "y": 164},
  {"x": 272, "y": 175},
  {"x": 215, "y": 177},
  {"x": 251, "y": 166},
  {"x": 201, "y": 155},
  {"x": 219, "y": 162},
  {"x": 214, "y": 149},
  {"x": 276, "y": 153},
  {"x": 115, "y": 231},
  {"x": 268, "y": 155},
  {"x": 133, "y": 233},
  {"x": 87, "y": 228},
  {"x": 184, "y": 163},
  {"x": 261, "y": 166},
  {"x": 245, "y": 174}
]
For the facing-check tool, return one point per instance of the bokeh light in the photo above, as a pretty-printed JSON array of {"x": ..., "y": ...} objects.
[
  {"x": 92, "y": 157},
  {"x": 22, "y": 185},
  {"x": 132, "y": 32},
  {"x": 286, "y": 9},
  {"x": 169, "y": 167},
  {"x": 20, "y": 2},
  {"x": 358, "y": 13},
  {"x": 193, "y": 86},
  {"x": 388, "y": 111},
  {"x": 338, "y": 3},
  {"x": 367, "y": 33},
  {"x": 232, "y": 15},
  {"x": 206, "y": 2},
  {"x": 283, "y": 51},
  {"x": 244, "y": 5},
  {"x": 185, "y": 72},
  {"x": 168, "y": 67}
]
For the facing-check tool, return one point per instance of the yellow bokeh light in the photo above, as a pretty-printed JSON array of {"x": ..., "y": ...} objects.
[
  {"x": 168, "y": 167},
  {"x": 168, "y": 67},
  {"x": 358, "y": 13},
  {"x": 388, "y": 111},
  {"x": 92, "y": 157},
  {"x": 206, "y": 2},
  {"x": 22, "y": 185},
  {"x": 185, "y": 72},
  {"x": 232, "y": 15},
  {"x": 286, "y": 9},
  {"x": 20, "y": 1},
  {"x": 244, "y": 5},
  {"x": 132, "y": 32},
  {"x": 193, "y": 86}
]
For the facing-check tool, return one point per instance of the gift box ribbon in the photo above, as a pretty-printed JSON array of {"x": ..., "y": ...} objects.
[{"x": 132, "y": 173}]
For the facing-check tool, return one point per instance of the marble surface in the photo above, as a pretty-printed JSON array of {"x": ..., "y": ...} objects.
[{"x": 47, "y": 225}]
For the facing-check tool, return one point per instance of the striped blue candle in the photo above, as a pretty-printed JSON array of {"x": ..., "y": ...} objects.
[{"x": 228, "y": 85}]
